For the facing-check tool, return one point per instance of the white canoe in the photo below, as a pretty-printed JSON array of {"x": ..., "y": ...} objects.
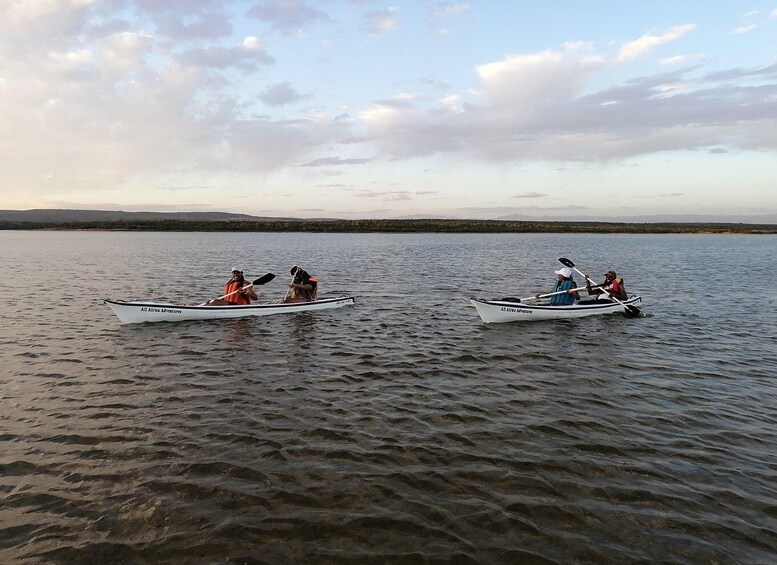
[
  {"x": 498, "y": 311},
  {"x": 135, "y": 312}
]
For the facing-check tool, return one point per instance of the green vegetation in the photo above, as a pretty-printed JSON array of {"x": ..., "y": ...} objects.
[{"x": 389, "y": 226}]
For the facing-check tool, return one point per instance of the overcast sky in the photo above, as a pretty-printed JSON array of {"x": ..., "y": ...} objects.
[{"x": 370, "y": 109}]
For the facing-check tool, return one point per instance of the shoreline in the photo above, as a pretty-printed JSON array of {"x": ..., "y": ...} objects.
[{"x": 395, "y": 226}]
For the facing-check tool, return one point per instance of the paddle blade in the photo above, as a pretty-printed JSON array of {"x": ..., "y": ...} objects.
[
  {"x": 566, "y": 262},
  {"x": 264, "y": 279},
  {"x": 633, "y": 312}
]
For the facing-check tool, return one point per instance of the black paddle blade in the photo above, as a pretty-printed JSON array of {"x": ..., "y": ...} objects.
[
  {"x": 566, "y": 262},
  {"x": 633, "y": 312},
  {"x": 264, "y": 279}
]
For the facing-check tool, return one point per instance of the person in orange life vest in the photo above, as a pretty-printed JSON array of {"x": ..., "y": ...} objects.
[
  {"x": 236, "y": 283},
  {"x": 303, "y": 287},
  {"x": 564, "y": 282},
  {"x": 613, "y": 284}
]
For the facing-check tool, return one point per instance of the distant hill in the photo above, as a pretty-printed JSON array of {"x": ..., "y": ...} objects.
[
  {"x": 55, "y": 216},
  {"x": 226, "y": 222}
]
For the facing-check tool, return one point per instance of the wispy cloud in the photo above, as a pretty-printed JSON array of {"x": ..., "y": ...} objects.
[
  {"x": 247, "y": 56},
  {"x": 386, "y": 196},
  {"x": 281, "y": 94},
  {"x": 744, "y": 28},
  {"x": 382, "y": 22},
  {"x": 676, "y": 60},
  {"x": 287, "y": 16},
  {"x": 648, "y": 42},
  {"x": 529, "y": 195},
  {"x": 332, "y": 161},
  {"x": 443, "y": 9}
]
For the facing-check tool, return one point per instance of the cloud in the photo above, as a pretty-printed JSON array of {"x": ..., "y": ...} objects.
[
  {"x": 390, "y": 196},
  {"x": 247, "y": 56},
  {"x": 520, "y": 82},
  {"x": 529, "y": 195},
  {"x": 382, "y": 22},
  {"x": 540, "y": 106},
  {"x": 648, "y": 42},
  {"x": 331, "y": 161},
  {"x": 281, "y": 94},
  {"x": 773, "y": 14},
  {"x": 445, "y": 9},
  {"x": 180, "y": 20},
  {"x": 744, "y": 28},
  {"x": 111, "y": 101},
  {"x": 676, "y": 60},
  {"x": 287, "y": 16}
]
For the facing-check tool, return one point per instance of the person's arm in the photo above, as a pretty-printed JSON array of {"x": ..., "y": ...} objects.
[
  {"x": 591, "y": 290},
  {"x": 249, "y": 292},
  {"x": 574, "y": 293}
]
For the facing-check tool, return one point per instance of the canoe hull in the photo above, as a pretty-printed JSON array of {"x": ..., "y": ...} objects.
[
  {"x": 501, "y": 311},
  {"x": 139, "y": 312}
]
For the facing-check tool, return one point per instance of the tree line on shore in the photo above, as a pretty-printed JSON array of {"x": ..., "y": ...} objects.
[{"x": 392, "y": 226}]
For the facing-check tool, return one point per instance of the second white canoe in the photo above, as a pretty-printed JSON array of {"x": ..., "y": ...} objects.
[{"x": 498, "y": 311}]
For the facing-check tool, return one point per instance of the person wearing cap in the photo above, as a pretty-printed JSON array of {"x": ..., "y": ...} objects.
[
  {"x": 240, "y": 292},
  {"x": 564, "y": 282},
  {"x": 614, "y": 286},
  {"x": 303, "y": 287}
]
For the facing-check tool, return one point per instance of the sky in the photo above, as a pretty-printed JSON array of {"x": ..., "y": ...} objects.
[{"x": 370, "y": 109}]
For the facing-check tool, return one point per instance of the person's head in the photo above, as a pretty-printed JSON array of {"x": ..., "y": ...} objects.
[
  {"x": 610, "y": 276},
  {"x": 564, "y": 273},
  {"x": 299, "y": 274},
  {"x": 237, "y": 272}
]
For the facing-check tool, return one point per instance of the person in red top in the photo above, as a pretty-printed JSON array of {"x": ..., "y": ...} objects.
[
  {"x": 614, "y": 286},
  {"x": 244, "y": 295}
]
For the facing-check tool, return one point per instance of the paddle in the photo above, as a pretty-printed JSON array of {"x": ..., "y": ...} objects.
[
  {"x": 538, "y": 296},
  {"x": 630, "y": 311},
  {"x": 264, "y": 279},
  {"x": 288, "y": 289}
]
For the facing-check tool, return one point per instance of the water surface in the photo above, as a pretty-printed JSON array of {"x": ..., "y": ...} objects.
[{"x": 402, "y": 429}]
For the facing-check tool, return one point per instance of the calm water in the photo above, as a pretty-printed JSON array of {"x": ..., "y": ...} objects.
[{"x": 400, "y": 430}]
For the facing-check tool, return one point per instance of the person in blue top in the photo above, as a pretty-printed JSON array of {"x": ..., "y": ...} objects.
[{"x": 564, "y": 282}]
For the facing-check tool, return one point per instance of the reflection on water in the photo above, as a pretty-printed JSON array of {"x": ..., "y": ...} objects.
[{"x": 402, "y": 429}]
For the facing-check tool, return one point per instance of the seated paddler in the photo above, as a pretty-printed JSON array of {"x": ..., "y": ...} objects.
[
  {"x": 237, "y": 291},
  {"x": 564, "y": 282},
  {"x": 613, "y": 285},
  {"x": 303, "y": 287}
]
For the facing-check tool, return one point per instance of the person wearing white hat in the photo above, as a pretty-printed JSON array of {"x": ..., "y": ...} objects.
[
  {"x": 237, "y": 291},
  {"x": 564, "y": 282}
]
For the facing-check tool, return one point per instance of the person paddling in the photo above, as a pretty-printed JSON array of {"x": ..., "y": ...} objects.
[
  {"x": 303, "y": 287},
  {"x": 614, "y": 286},
  {"x": 564, "y": 282},
  {"x": 242, "y": 289}
]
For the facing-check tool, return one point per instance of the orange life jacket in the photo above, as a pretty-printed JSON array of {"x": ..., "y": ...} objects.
[
  {"x": 615, "y": 289},
  {"x": 238, "y": 297}
]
